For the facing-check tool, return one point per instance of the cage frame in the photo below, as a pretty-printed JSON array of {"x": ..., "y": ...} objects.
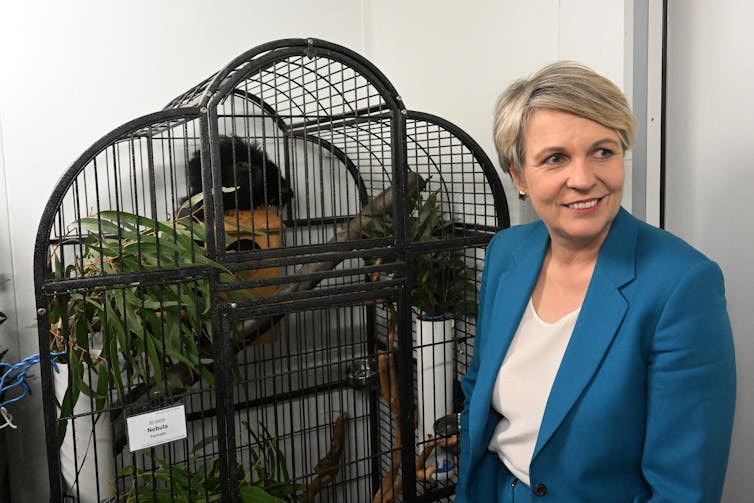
[{"x": 201, "y": 104}]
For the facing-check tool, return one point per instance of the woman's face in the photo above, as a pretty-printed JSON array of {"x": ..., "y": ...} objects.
[{"x": 573, "y": 173}]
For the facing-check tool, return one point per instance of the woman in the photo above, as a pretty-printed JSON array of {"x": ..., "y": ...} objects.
[{"x": 603, "y": 364}]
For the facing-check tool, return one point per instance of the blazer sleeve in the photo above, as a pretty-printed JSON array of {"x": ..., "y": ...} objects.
[
  {"x": 469, "y": 380},
  {"x": 691, "y": 388}
]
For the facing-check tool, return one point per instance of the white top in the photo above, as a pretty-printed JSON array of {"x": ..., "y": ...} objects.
[{"x": 523, "y": 384}]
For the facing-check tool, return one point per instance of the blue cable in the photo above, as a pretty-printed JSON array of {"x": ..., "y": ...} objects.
[{"x": 20, "y": 378}]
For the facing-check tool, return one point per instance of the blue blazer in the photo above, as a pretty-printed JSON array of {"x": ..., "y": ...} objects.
[{"x": 642, "y": 405}]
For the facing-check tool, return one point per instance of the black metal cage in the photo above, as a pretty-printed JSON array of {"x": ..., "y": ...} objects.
[{"x": 289, "y": 257}]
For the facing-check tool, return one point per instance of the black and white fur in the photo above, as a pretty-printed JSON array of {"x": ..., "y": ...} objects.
[{"x": 257, "y": 179}]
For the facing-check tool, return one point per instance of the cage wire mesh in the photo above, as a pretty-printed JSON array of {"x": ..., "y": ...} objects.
[{"x": 291, "y": 256}]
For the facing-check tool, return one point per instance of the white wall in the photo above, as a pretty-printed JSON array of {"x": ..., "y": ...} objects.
[
  {"x": 710, "y": 176},
  {"x": 74, "y": 70}
]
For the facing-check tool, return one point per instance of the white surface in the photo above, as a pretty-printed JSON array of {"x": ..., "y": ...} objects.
[
  {"x": 435, "y": 341},
  {"x": 86, "y": 452},
  {"x": 523, "y": 386},
  {"x": 654, "y": 112},
  {"x": 710, "y": 177}
]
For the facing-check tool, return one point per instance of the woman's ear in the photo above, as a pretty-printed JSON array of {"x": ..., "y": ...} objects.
[{"x": 518, "y": 180}]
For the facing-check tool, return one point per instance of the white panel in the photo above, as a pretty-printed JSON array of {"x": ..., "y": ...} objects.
[
  {"x": 592, "y": 32},
  {"x": 709, "y": 176},
  {"x": 653, "y": 117},
  {"x": 644, "y": 78},
  {"x": 8, "y": 340}
]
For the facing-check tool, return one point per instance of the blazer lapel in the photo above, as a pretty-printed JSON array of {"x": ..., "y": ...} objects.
[
  {"x": 599, "y": 320},
  {"x": 513, "y": 291}
]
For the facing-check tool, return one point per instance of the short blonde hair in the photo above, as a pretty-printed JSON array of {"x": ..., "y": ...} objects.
[{"x": 565, "y": 86}]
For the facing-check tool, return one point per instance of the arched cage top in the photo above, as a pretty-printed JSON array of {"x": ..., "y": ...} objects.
[
  {"x": 332, "y": 135},
  {"x": 299, "y": 78}
]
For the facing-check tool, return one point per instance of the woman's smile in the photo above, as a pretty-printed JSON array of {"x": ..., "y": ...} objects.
[{"x": 584, "y": 205}]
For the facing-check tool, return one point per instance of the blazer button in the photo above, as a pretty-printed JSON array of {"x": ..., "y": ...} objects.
[{"x": 539, "y": 489}]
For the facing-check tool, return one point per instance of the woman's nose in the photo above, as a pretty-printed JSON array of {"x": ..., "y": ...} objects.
[{"x": 580, "y": 174}]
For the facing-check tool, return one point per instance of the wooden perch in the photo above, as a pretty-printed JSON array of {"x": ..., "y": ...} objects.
[
  {"x": 392, "y": 482},
  {"x": 389, "y": 390},
  {"x": 328, "y": 466},
  {"x": 249, "y": 330},
  {"x": 423, "y": 473},
  {"x": 387, "y": 370},
  {"x": 179, "y": 377}
]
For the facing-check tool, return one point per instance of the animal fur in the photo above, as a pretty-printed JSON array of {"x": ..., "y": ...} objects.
[{"x": 245, "y": 166}]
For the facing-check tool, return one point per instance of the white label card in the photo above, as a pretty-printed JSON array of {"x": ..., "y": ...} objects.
[{"x": 156, "y": 427}]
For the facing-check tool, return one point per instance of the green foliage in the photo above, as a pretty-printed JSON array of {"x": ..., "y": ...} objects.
[
  {"x": 133, "y": 333},
  {"x": 120, "y": 337},
  {"x": 198, "y": 480},
  {"x": 440, "y": 284}
]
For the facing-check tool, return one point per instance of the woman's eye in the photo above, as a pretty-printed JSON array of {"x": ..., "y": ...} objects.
[{"x": 603, "y": 153}]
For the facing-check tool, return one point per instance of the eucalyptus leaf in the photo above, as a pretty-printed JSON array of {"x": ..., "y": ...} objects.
[
  {"x": 154, "y": 358},
  {"x": 102, "y": 226}
]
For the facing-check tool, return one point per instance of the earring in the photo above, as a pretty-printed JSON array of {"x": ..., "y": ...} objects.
[{"x": 522, "y": 195}]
